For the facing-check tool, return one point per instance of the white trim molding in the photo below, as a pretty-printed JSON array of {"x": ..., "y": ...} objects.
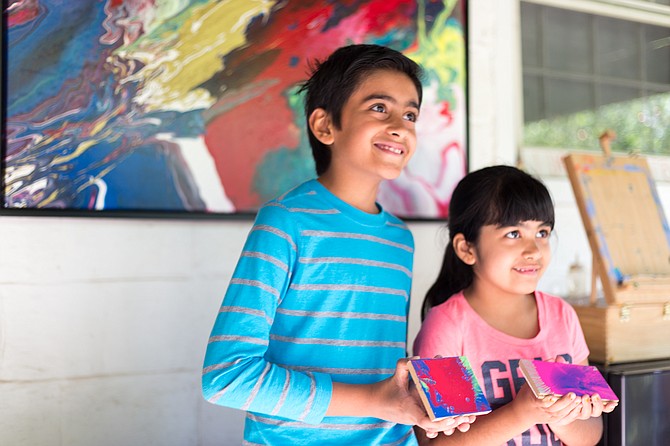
[{"x": 639, "y": 11}]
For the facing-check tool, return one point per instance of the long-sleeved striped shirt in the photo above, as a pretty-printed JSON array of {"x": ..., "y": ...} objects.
[{"x": 320, "y": 294}]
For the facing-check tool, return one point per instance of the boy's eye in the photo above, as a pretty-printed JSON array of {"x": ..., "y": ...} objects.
[
  {"x": 513, "y": 234},
  {"x": 411, "y": 116},
  {"x": 378, "y": 108}
]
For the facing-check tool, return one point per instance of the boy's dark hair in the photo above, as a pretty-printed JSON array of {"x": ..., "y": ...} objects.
[
  {"x": 334, "y": 80},
  {"x": 497, "y": 195}
]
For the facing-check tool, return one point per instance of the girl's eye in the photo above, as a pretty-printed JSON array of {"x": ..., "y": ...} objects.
[
  {"x": 513, "y": 234},
  {"x": 411, "y": 116},
  {"x": 378, "y": 108},
  {"x": 544, "y": 233}
]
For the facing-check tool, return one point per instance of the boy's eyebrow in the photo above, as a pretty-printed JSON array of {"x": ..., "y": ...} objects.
[{"x": 388, "y": 98}]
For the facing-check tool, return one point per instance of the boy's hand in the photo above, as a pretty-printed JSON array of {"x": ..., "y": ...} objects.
[
  {"x": 462, "y": 424},
  {"x": 399, "y": 401}
]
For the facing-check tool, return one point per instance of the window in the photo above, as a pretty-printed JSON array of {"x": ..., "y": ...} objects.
[{"x": 588, "y": 71}]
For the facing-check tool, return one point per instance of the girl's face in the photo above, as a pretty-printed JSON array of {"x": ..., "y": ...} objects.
[{"x": 511, "y": 259}]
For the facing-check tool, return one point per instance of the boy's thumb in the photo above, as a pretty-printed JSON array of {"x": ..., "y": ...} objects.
[{"x": 402, "y": 368}]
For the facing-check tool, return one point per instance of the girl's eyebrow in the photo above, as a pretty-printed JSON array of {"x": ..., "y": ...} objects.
[
  {"x": 542, "y": 223},
  {"x": 385, "y": 97},
  {"x": 520, "y": 223}
]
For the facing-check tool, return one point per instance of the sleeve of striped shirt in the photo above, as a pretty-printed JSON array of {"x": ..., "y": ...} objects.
[{"x": 236, "y": 373}]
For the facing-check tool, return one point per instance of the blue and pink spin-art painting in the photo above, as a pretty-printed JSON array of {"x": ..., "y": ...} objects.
[
  {"x": 192, "y": 106},
  {"x": 449, "y": 387}
]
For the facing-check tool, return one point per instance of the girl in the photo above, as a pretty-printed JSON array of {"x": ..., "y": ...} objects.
[{"x": 484, "y": 305}]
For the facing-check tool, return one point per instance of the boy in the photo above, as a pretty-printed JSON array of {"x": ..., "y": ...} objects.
[{"x": 315, "y": 317}]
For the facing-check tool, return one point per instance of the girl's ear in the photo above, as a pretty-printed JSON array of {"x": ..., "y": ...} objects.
[
  {"x": 464, "y": 249},
  {"x": 321, "y": 126}
]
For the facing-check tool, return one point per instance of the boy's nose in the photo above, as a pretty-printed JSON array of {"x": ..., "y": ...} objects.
[{"x": 396, "y": 127}]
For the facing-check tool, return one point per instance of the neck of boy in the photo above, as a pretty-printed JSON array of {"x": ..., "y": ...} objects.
[{"x": 361, "y": 195}]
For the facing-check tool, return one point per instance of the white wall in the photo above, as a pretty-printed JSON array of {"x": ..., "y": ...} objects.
[{"x": 103, "y": 322}]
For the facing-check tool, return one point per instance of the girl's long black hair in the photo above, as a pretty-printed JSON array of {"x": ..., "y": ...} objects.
[{"x": 496, "y": 195}]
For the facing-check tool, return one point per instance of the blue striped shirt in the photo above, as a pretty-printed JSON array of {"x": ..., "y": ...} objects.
[{"x": 320, "y": 294}]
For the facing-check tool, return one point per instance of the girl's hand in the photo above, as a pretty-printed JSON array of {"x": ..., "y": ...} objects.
[
  {"x": 609, "y": 406},
  {"x": 549, "y": 410},
  {"x": 398, "y": 401},
  {"x": 593, "y": 406}
]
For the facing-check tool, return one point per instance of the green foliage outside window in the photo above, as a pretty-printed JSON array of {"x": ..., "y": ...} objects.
[{"x": 641, "y": 125}]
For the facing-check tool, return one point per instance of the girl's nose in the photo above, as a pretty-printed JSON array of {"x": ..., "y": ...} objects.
[{"x": 532, "y": 251}]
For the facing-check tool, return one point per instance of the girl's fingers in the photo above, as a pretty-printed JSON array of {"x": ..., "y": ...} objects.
[
  {"x": 596, "y": 406},
  {"x": 610, "y": 406},
  {"x": 463, "y": 427},
  {"x": 560, "y": 404}
]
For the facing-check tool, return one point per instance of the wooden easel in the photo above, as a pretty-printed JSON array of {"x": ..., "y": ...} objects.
[{"x": 630, "y": 244}]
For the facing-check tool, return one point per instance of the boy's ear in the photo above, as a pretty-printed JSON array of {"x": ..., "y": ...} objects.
[
  {"x": 464, "y": 249},
  {"x": 321, "y": 126}
]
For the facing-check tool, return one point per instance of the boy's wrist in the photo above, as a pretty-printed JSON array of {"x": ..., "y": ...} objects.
[
  {"x": 360, "y": 400},
  {"x": 385, "y": 401},
  {"x": 374, "y": 395}
]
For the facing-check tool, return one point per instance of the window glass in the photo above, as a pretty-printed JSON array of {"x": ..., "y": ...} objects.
[
  {"x": 617, "y": 48},
  {"x": 586, "y": 73},
  {"x": 568, "y": 40},
  {"x": 657, "y": 48},
  {"x": 531, "y": 40},
  {"x": 533, "y": 96},
  {"x": 565, "y": 96}
]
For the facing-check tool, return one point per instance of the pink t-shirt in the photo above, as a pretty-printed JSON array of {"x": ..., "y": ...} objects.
[{"x": 453, "y": 328}]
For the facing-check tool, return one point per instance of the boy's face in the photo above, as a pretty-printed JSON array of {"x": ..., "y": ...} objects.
[{"x": 377, "y": 135}]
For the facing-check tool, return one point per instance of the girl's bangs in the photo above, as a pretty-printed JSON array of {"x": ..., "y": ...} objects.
[{"x": 517, "y": 204}]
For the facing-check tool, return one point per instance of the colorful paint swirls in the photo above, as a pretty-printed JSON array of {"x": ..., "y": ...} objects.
[{"x": 192, "y": 105}]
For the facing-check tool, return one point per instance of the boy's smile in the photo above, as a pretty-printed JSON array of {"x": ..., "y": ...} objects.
[{"x": 377, "y": 135}]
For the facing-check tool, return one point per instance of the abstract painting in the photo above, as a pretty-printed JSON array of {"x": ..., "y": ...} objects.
[{"x": 192, "y": 106}]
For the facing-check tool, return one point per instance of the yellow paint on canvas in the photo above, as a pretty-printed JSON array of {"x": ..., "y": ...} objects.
[
  {"x": 177, "y": 62},
  {"x": 441, "y": 50}
]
